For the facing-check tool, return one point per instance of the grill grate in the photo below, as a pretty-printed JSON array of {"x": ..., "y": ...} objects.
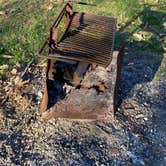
[{"x": 88, "y": 38}]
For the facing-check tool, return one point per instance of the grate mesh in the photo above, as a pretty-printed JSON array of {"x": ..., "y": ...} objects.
[{"x": 89, "y": 38}]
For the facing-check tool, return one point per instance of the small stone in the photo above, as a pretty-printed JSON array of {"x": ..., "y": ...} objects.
[
  {"x": 139, "y": 116},
  {"x": 145, "y": 118},
  {"x": 40, "y": 94}
]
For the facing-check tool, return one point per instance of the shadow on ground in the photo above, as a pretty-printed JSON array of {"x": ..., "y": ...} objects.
[{"x": 140, "y": 63}]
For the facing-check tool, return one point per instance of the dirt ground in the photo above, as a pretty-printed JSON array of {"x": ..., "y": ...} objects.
[{"x": 136, "y": 137}]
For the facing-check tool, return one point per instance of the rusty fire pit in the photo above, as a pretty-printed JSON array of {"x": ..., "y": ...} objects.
[{"x": 82, "y": 67}]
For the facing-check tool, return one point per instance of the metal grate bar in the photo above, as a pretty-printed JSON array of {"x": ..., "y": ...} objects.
[{"x": 89, "y": 38}]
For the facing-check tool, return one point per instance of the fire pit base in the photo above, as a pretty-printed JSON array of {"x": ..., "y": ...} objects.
[{"x": 94, "y": 99}]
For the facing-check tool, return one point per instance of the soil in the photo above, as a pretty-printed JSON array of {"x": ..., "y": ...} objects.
[{"x": 137, "y": 136}]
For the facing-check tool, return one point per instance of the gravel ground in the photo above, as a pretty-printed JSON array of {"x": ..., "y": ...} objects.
[{"x": 136, "y": 137}]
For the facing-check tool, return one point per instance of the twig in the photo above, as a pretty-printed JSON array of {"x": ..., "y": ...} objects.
[
  {"x": 5, "y": 99},
  {"x": 25, "y": 70}
]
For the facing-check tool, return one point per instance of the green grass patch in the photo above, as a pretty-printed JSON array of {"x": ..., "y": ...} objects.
[{"x": 24, "y": 24}]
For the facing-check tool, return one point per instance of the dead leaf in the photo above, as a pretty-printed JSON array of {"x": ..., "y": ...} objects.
[
  {"x": 101, "y": 87},
  {"x": 138, "y": 36},
  {"x": 14, "y": 71},
  {"x": 163, "y": 46},
  {"x": 164, "y": 55},
  {"x": 19, "y": 82},
  {"x": 4, "y": 67},
  {"x": 7, "y": 56},
  {"x": 2, "y": 12}
]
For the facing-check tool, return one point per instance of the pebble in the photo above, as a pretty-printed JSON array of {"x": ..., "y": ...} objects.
[
  {"x": 40, "y": 94},
  {"x": 145, "y": 118}
]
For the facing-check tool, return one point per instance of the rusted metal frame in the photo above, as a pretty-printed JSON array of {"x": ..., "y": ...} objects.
[
  {"x": 92, "y": 56},
  {"x": 83, "y": 48},
  {"x": 62, "y": 57},
  {"x": 83, "y": 54},
  {"x": 80, "y": 36},
  {"x": 92, "y": 34},
  {"x": 103, "y": 48},
  {"x": 88, "y": 46},
  {"x": 94, "y": 27},
  {"x": 69, "y": 15},
  {"x": 83, "y": 35},
  {"x": 81, "y": 57},
  {"x": 75, "y": 54},
  {"x": 78, "y": 57},
  {"x": 92, "y": 46},
  {"x": 94, "y": 40},
  {"x": 113, "y": 37},
  {"x": 77, "y": 35},
  {"x": 44, "y": 102},
  {"x": 119, "y": 66},
  {"x": 67, "y": 10},
  {"x": 93, "y": 114},
  {"x": 91, "y": 53},
  {"x": 89, "y": 42},
  {"x": 52, "y": 43},
  {"x": 60, "y": 16},
  {"x": 79, "y": 49},
  {"x": 110, "y": 50},
  {"x": 55, "y": 24}
]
